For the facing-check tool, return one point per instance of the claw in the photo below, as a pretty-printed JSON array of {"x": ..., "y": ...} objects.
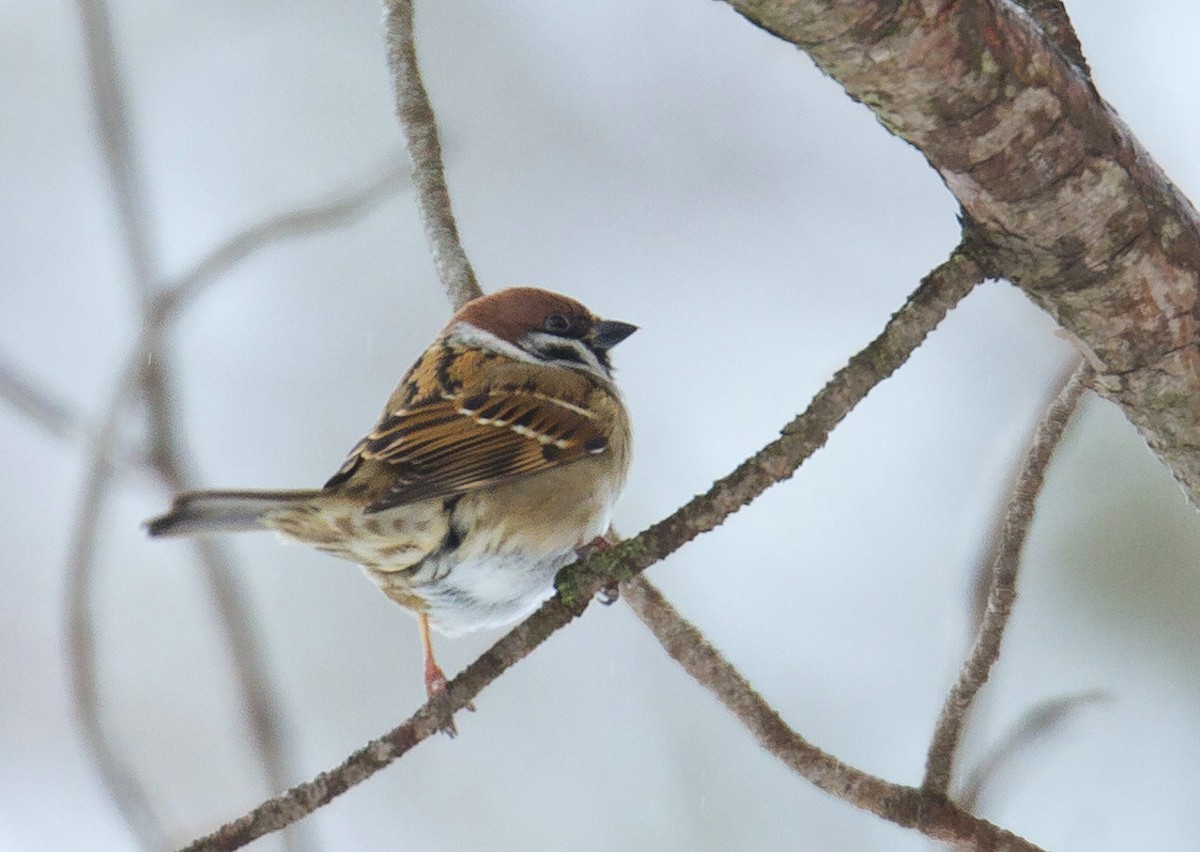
[{"x": 435, "y": 682}]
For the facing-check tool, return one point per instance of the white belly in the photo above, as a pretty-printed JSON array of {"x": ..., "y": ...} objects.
[
  {"x": 480, "y": 594},
  {"x": 514, "y": 539}
]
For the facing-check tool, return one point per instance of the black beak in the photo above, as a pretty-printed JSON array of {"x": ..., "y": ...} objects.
[{"x": 608, "y": 333}]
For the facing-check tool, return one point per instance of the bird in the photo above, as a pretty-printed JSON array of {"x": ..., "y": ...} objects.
[{"x": 497, "y": 460}]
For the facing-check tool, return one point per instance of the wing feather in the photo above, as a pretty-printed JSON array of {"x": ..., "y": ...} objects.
[{"x": 456, "y": 443}]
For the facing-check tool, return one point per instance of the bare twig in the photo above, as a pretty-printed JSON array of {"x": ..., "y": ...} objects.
[
  {"x": 578, "y": 583},
  {"x": 933, "y": 815},
  {"x": 145, "y": 375},
  {"x": 420, "y": 131},
  {"x": 53, "y": 415},
  {"x": 1037, "y": 723},
  {"x": 986, "y": 649},
  {"x": 343, "y": 208},
  {"x": 985, "y": 564},
  {"x": 939, "y": 291},
  {"x": 116, "y": 142},
  {"x": 118, "y": 778},
  {"x": 251, "y": 672}
]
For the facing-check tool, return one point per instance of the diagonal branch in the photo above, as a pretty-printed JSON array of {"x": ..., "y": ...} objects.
[
  {"x": 343, "y": 208},
  {"x": 1037, "y": 723},
  {"x": 578, "y": 583},
  {"x": 1074, "y": 210},
  {"x": 53, "y": 415},
  {"x": 986, "y": 649},
  {"x": 1051, "y": 16},
  {"x": 420, "y": 131},
  {"x": 909, "y": 807},
  {"x": 983, "y": 569},
  {"x": 939, "y": 291}
]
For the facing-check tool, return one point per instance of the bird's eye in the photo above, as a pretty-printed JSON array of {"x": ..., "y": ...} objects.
[{"x": 557, "y": 324}]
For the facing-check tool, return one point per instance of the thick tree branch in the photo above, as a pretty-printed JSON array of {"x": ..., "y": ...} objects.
[
  {"x": 1077, "y": 213},
  {"x": 1003, "y": 593},
  {"x": 1051, "y": 16},
  {"x": 420, "y": 131},
  {"x": 578, "y": 583}
]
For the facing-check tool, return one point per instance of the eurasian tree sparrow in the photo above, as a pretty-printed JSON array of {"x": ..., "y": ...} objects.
[{"x": 501, "y": 452}]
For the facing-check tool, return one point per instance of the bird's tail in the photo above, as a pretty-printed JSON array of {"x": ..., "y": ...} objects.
[{"x": 206, "y": 512}]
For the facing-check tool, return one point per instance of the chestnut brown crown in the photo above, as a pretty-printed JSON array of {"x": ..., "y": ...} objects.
[{"x": 548, "y": 326}]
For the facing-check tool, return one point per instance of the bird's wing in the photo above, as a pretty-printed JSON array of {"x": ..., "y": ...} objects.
[{"x": 458, "y": 443}]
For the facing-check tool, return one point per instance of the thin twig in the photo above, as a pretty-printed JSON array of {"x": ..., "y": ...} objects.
[
  {"x": 252, "y": 675},
  {"x": 1040, "y": 721},
  {"x": 343, "y": 208},
  {"x": 117, "y": 776},
  {"x": 108, "y": 98},
  {"x": 420, "y": 131},
  {"x": 909, "y": 807},
  {"x": 985, "y": 563},
  {"x": 53, "y": 415},
  {"x": 116, "y": 142},
  {"x": 578, "y": 583},
  {"x": 939, "y": 763},
  {"x": 939, "y": 291}
]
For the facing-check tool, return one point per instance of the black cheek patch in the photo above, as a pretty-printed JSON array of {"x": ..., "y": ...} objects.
[
  {"x": 563, "y": 353},
  {"x": 596, "y": 445}
]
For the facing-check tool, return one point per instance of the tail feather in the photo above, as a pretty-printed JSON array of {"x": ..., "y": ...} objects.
[{"x": 206, "y": 512}]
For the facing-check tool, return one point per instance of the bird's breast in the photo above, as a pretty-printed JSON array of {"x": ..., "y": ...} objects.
[{"x": 514, "y": 539}]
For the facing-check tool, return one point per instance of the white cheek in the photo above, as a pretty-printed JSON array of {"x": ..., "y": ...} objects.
[{"x": 468, "y": 335}]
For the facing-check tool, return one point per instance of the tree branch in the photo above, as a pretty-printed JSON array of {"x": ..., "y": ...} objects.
[
  {"x": 118, "y": 777},
  {"x": 578, "y": 583},
  {"x": 1035, "y": 724},
  {"x": 116, "y": 142},
  {"x": 57, "y": 418},
  {"x": 982, "y": 571},
  {"x": 1076, "y": 212},
  {"x": 253, "y": 677},
  {"x": 420, "y": 131},
  {"x": 146, "y": 375},
  {"x": 1052, "y": 17},
  {"x": 924, "y": 810},
  {"x": 343, "y": 208},
  {"x": 939, "y": 291},
  {"x": 1003, "y": 592},
  {"x": 52, "y": 415}
]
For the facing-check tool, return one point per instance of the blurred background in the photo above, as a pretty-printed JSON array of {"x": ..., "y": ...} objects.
[{"x": 670, "y": 165}]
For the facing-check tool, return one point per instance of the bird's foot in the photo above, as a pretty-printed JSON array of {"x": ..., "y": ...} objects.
[{"x": 439, "y": 698}]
